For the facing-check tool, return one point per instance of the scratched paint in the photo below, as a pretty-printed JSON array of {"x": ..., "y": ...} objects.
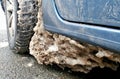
[{"x": 112, "y": 10}]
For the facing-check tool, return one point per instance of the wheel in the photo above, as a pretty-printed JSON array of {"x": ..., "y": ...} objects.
[
  {"x": 21, "y": 17},
  {"x": 3, "y": 5}
]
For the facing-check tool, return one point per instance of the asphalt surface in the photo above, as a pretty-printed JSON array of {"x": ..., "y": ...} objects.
[{"x": 15, "y": 66}]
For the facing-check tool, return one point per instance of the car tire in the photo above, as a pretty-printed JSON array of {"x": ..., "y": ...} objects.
[{"x": 21, "y": 17}]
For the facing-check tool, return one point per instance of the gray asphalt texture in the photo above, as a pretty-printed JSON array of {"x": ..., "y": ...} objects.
[{"x": 15, "y": 66}]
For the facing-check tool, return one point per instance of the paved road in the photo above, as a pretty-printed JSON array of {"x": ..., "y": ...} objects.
[{"x": 15, "y": 66}]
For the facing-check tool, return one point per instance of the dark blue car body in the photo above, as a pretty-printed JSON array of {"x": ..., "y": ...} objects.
[{"x": 93, "y": 21}]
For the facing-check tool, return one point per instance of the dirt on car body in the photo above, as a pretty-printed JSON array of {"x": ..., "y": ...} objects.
[{"x": 52, "y": 48}]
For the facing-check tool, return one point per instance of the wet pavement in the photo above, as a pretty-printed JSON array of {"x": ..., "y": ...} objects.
[{"x": 15, "y": 66}]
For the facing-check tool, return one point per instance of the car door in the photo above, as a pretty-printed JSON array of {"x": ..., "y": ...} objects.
[
  {"x": 93, "y": 21},
  {"x": 101, "y": 12}
]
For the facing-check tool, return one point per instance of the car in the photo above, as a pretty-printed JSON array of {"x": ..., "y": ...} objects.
[{"x": 95, "y": 23}]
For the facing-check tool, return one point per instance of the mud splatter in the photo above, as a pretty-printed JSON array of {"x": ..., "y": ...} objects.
[{"x": 52, "y": 48}]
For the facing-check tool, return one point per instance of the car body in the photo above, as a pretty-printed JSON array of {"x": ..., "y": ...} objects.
[
  {"x": 96, "y": 22},
  {"x": 32, "y": 26}
]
